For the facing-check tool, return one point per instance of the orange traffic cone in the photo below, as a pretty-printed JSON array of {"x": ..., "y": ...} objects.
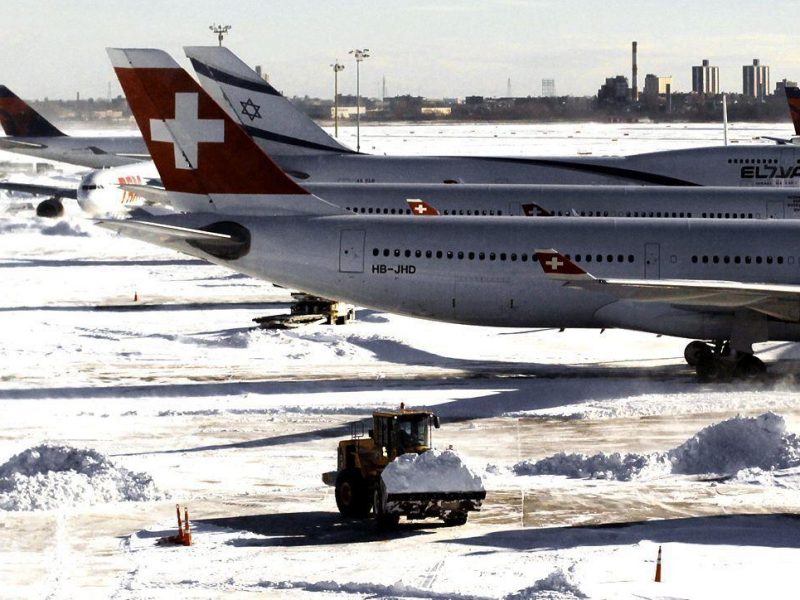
[
  {"x": 187, "y": 534},
  {"x": 184, "y": 536},
  {"x": 658, "y": 566}
]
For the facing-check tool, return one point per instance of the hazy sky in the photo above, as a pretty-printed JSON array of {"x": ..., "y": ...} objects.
[{"x": 432, "y": 48}]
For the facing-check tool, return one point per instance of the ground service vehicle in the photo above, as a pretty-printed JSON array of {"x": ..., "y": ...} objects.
[{"x": 361, "y": 461}]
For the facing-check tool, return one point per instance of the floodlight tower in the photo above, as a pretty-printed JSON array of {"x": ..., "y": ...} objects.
[
  {"x": 220, "y": 30},
  {"x": 359, "y": 54},
  {"x": 336, "y": 66}
]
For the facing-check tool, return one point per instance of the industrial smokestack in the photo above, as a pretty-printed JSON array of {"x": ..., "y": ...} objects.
[{"x": 634, "y": 72}]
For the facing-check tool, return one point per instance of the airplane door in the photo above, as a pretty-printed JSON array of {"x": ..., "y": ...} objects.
[
  {"x": 652, "y": 261},
  {"x": 775, "y": 210},
  {"x": 351, "y": 251}
]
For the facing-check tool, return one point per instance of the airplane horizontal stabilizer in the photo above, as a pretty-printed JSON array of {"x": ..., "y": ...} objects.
[{"x": 779, "y": 301}]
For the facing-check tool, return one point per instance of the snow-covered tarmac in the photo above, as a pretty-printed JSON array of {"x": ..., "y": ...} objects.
[{"x": 238, "y": 424}]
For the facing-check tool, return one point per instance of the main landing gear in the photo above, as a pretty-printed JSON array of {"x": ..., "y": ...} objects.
[{"x": 720, "y": 362}]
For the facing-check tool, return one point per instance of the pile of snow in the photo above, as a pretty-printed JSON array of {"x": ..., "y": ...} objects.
[
  {"x": 723, "y": 448},
  {"x": 431, "y": 471},
  {"x": 556, "y": 586},
  {"x": 48, "y": 477}
]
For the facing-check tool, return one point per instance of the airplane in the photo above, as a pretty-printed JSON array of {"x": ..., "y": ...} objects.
[
  {"x": 99, "y": 192},
  {"x": 29, "y": 133},
  {"x": 245, "y": 95},
  {"x": 730, "y": 283}
]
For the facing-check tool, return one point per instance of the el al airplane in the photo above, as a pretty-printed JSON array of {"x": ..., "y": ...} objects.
[
  {"x": 309, "y": 154},
  {"x": 731, "y": 282}
]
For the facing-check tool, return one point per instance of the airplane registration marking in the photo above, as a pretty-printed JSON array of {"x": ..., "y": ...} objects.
[
  {"x": 186, "y": 131},
  {"x": 398, "y": 270}
]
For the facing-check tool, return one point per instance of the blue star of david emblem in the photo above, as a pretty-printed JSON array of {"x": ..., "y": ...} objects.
[{"x": 251, "y": 109}]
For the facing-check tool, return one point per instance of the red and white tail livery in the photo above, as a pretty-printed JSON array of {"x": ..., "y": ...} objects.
[
  {"x": 204, "y": 158},
  {"x": 422, "y": 208},
  {"x": 558, "y": 266}
]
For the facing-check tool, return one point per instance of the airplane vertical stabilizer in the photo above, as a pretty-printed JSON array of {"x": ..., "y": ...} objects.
[
  {"x": 20, "y": 120},
  {"x": 200, "y": 152},
  {"x": 275, "y": 123},
  {"x": 793, "y": 98}
]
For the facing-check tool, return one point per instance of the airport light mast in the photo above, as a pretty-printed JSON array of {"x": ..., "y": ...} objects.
[
  {"x": 336, "y": 68},
  {"x": 220, "y": 30},
  {"x": 359, "y": 54}
]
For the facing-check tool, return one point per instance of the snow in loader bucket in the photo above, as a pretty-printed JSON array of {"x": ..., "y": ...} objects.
[{"x": 430, "y": 484}]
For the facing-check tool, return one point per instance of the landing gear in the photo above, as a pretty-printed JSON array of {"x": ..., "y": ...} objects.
[
  {"x": 721, "y": 362},
  {"x": 697, "y": 351}
]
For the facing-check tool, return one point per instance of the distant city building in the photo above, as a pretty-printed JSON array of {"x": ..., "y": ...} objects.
[
  {"x": 615, "y": 89},
  {"x": 755, "y": 79},
  {"x": 782, "y": 85},
  {"x": 437, "y": 111},
  {"x": 548, "y": 88},
  {"x": 655, "y": 85},
  {"x": 705, "y": 79},
  {"x": 261, "y": 74}
]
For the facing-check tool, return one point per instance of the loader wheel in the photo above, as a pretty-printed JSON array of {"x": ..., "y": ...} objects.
[
  {"x": 455, "y": 518},
  {"x": 352, "y": 498},
  {"x": 383, "y": 519}
]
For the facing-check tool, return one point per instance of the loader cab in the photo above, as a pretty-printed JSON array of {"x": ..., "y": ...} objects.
[{"x": 403, "y": 432}]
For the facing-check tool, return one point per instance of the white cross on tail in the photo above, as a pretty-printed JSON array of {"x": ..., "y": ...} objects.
[
  {"x": 186, "y": 130},
  {"x": 554, "y": 263}
]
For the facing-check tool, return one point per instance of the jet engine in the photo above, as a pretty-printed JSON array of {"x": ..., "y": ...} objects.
[{"x": 51, "y": 208}]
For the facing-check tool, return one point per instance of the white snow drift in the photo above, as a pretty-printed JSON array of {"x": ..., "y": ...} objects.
[
  {"x": 723, "y": 448},
  {"x": 431, "y": 471},
  {"x": 48, "y": 477}
]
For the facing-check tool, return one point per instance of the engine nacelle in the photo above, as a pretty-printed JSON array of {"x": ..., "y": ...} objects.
[{"x": 52, "y": 208}]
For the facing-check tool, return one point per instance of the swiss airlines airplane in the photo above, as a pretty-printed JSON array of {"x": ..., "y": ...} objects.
[{"x": 732, "y": 283}]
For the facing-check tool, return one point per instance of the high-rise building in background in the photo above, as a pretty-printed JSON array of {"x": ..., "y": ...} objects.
[
  {"x": 548, "y": 88},
  {"x": 634, "y": 72},
  {"x": 655, "y": 85},
  {"x": 781, "y": 86},
  {"x": 705, "y": 79},
  {"x": 615, "y": 89},
  {"x": 755, "y": 79}
]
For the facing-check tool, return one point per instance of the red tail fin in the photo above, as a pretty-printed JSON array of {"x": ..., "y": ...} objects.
[
  {"x": 196, "y": 146},
  {"x": 19, "y": 119},
  {"x": 793, "y": 98}
]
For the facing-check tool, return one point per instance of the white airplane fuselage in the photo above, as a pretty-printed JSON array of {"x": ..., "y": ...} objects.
[
  {"x": 93, "y": 152},
  {"x": 481, "y": 271}
]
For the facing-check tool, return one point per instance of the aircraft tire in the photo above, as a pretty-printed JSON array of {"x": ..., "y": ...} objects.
[
  {"x": 695, "y": 352},
  {"x": 749, "y": 367}
]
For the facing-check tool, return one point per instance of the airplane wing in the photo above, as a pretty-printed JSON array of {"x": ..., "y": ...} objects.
[
  {"x": 778, "y": 301},
  {"x": 41, "y": 190}
]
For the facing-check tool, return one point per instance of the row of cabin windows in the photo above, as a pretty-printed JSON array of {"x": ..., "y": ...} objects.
[
  {"x": 600, "y": 258},
  {"x": 400, "y": 211},
  {"x": 738, "y": 259},
  {"x": 753, "y": 161},
  {"x": 513, "y": 256},
  {"x": 564, "y": 213}
]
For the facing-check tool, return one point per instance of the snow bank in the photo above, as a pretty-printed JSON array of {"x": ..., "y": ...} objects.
[
  {"x": 622, "y": 467},
  {"x": 48, "y": 477},
  {"x": 66, "y": 228},
  {"x": 556, "y": 586},
  {"x": 431, "y": 471},
  {"x": 723, "y": 448}
]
